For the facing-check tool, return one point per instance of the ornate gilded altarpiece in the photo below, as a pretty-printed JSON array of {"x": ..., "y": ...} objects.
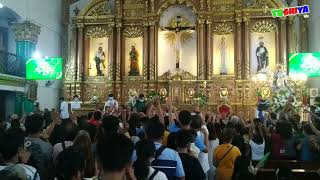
[{"x": 139, "y": 19}]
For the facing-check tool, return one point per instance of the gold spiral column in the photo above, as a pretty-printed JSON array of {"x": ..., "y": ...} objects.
[
  {"x": 209, "y": 68},
  {"x": 80, "y": 51},
  {"x": 152, "y": 64},
  {"x": 238, "y": 49},
  {"x": 111, "y": 57},
  {"x": 246, "y": 21},
  {"x": 118, "y": 52},
  {"x": 145, "y": 53},
  {"x": 201, "y": 50}
]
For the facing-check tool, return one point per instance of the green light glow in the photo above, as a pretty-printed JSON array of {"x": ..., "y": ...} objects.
[
  {"x": 305, "y": 63},
  {"x": 44, "y": 69}
]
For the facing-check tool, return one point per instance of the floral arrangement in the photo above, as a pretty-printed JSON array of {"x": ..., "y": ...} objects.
[
  {"x": 280, "y": 98},
  {"x": 151, "y": 96},
  {"x": 132, "y": 94},
  {"x": 200, "y": 100},
  {"x": 94, "y": 100}
]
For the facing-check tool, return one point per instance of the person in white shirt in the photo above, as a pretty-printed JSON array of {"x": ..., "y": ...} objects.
[
  {"x": 64, "y": 109},
  {"x": 111, "y": 103},
  {"x": 75, "y": 104},
  {"x": 257, "y": 143}
]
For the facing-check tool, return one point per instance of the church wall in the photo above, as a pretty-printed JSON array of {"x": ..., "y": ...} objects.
[
  {"x": 46, "y": 14},
  {"x": 314, "y": 39}
]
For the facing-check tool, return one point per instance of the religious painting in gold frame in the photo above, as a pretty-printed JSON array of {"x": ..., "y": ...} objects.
[
  {"x": 263, "y": 47},
  {"x": 223, "y": 49},
  {"x": 133, "y": 49},
  {"x": 97, "y": 51}
]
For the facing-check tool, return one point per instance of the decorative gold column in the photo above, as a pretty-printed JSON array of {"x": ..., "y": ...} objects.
[
  {"x": 80, "y": 51},
  {"x": 152, "y": 41},
  {"x": 145, "y": 53},
  {"x": 201, "y": 50},
  {"x": 71, "y": 64},
  {"x": 246, "y": 73},
  {"x": 118, "y": 52},
  {"x": 209, "y": 68},
  {"x": 283, "y": 43},
  {"x": 111, "y": 56},
  {"x": 238, "y": 49}
]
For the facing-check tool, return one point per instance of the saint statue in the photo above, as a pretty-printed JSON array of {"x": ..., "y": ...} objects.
[
  {"x": 100, "y": 59},
  {"x": 279, "y": 78},
  {"x": 178, "y": 33},
  {"x": 262, "y": 57},
  {"x": 134, "y": 67},
  {"x": 223, "y": 51}
]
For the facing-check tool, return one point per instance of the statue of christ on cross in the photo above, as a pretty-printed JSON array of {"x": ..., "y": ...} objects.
[{"x": 178, "y": 34}]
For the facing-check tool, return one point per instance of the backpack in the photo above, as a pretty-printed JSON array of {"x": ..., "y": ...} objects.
[
  {"x": 168, "y": 167},
  {"x": 37, "y": 157}
]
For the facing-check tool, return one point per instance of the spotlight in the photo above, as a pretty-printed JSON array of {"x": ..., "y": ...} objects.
[
  {"x": 36, "y": 55},
  {"x": 1, "y": 5}
]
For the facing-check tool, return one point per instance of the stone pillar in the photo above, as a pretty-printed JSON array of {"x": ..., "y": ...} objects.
[
  {"x": 304, "y": 23},
  {"x": 314, "y": 26},
  {"x": 314, "y": 41},
  {"x": 290, "y": 29},
  {"x": 209, "y": 68},
  {"x": 80, "y": 50},
  {"x": 27, "y": 34},
  {"x": 283, "y": 43},
  {"x": 246, "y": 48},
  {"x": 238, "y": 50},
  {"x": 201, "y": 50}
]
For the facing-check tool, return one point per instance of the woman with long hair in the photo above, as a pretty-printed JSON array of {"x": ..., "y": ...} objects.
[
  {"x": 142, "y": 169},
  {"x": 83, "y": 142}
]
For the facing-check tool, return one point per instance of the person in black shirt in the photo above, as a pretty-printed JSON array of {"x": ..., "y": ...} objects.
[{"x": 191, "y": 164}]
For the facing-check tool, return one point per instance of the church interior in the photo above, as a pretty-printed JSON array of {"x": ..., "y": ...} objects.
[{"x": 244, "y": 58}]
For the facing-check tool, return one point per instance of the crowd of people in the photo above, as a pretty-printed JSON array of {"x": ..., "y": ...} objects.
[{"x": 153, "y": 141}]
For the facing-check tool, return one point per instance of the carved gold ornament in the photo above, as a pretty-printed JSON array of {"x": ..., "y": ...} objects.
[
  {"x": 223, "y": 93},
  {"x": 163, "y": 92},
  {"x": 223, "y": 29},
  {"x": 191, "y": 92},
  {"x": 263, "y": 27},
  {"x": 98, "y": 32},
  {"x": 265, "y": 92},
  {"x": 132, "y": 32},
  {"x": 26, "y": 31}
]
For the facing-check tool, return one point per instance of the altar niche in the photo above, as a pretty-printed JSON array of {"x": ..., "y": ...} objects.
[
  {"x": 97, "y": 51},
  {"x": 223, "y": 54},
  {"x": 98, "y": 56},
  {"x": 177, "y": 41}
]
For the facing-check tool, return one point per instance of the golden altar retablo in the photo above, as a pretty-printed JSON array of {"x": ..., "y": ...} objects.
[{"x": 118, "y": 25}]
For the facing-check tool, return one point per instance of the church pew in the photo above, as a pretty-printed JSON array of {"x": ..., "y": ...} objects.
[
  {"x": 298, "y": 174},
  {"x": 292, "y": 164}
]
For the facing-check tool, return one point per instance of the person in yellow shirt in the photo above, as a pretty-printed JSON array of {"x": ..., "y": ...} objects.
[{"x": 225, "y": 156}]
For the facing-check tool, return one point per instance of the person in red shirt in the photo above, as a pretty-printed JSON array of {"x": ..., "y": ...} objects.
[{"x": 96, "y": 119}]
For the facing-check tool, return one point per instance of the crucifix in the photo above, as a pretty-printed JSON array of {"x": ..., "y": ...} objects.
[{"x": 177, "y": 34}]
